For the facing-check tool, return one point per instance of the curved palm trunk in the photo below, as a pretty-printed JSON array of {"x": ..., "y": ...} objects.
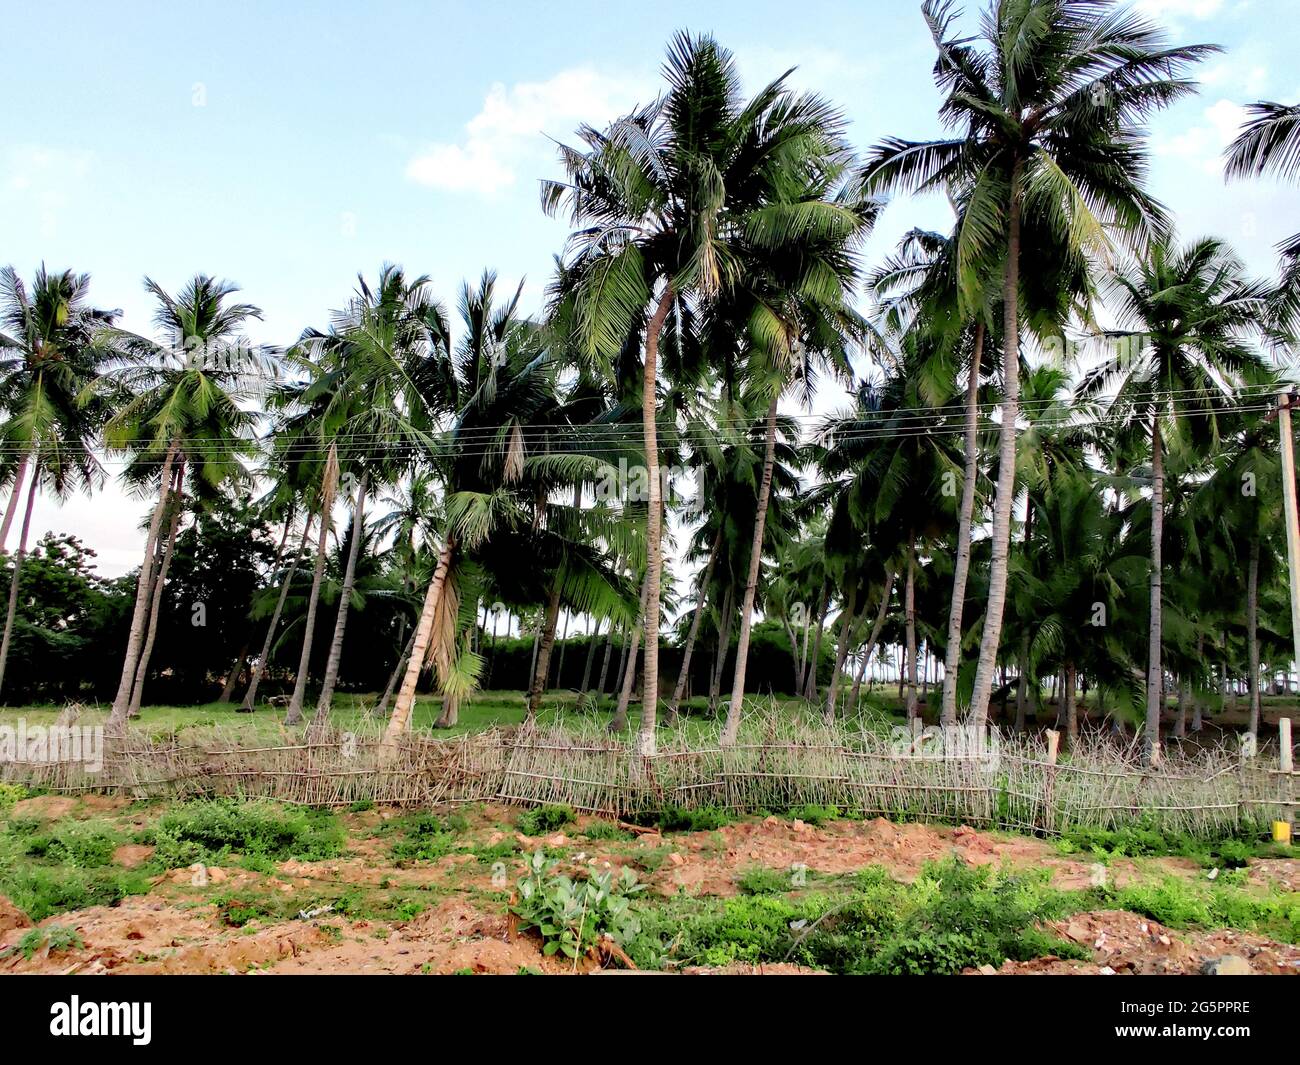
[
  {"x": 654, "y": 524},
  {"x": 1252, "y": 632},
  {"x": 1006, "y": 491},
  {"x": 841, "y": 651},
  {"x": 909, "y": 620},
  {"x": 12, "y": 505},
  {"x": 876, "y": 627},
  {"x": 155, "y": 599},
  {"x": 398, "y": 670},
  {"x": 543, "y": 666},
  {"x": 250, "y": 696},
  {"x": 737, "y": 698},
  {"x": 144, "y": 586},
  {"x": 1155, "y": 669},
  {"x": 679, "y": 688},
  {"x": 18, "y": 565},
  {"x": 619, "y": 721},
  {"x": 810, "y": 680},
  {"x": 236, "y": 671},
  {"x": 961, "y": 569},
  {"x": 401, "y": 719},
  {"x": 332, "y": 664}
]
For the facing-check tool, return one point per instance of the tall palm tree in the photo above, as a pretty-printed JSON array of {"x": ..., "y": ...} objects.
[
  {"x": 1269, "y": 143},
  {"x": 1187, "y": 313},
  {"x": 49, "y": 353},
  {"x": 1049, "y": 99},
  {"x": 181, "y": 407},
  {"x": 661, "y": 203},
  {"x": 371, "y": 391}
]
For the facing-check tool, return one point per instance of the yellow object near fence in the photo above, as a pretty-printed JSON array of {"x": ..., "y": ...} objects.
[{"x": 1282, "y": 832}]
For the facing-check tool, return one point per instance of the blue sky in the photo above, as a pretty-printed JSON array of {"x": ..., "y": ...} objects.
[{"x": 289, "y": 146}]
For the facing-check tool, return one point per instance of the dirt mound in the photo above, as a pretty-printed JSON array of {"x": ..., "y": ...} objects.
[
  {"x": 699, "y": 866},
  {"x": 1129, "y": 944}
]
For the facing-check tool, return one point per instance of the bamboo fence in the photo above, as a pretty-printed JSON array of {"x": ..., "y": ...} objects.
[{"x": 1018, "y": 785}]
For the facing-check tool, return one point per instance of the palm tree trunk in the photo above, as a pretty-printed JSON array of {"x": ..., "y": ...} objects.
[
  {"x": 803, "y": 658},
  {"x": 139, "y": 617},
  {"x": 624, "y": 643},
  {"x": 12, "y": 506},
  {"x": 724, "y": 644},
  {"x": 592, "y": 638},
  {"x": 1155, "y": 670},
  {"x": 333, "y": 663},
  {"x": 155, "y": 598},
  {"x": 841, "y": 650},
  {"x": 391, "y": 687},
  {"x": 734, "y": 706},
  {"x": 619, "y": 721},
  {"x": 18, "y": 565},
  {"x": 909, "y": 621},
  {"x": 401, "y": 719},
  {"x": 1184, "y": 696},
  {"x": 294, "y": 714},
  {"x": 870, "y": 649},
  {"x": 604, "y": 665},
  {"x": 232, "y": 680},
  {"x": 543, "y": 666},
  {"x": 250, "y": 696},
  {"x": 558, "y": 682},
  {"x": 961, "y": 568},
  {"x": 654, "y": 523},
  {"x": 1252, "y": 631},
  {"x": 680, "y": 687},
  {"x": 1006, "y": 491},
  {"x": 810, "y": 681},
  {"x": 1068, "y": 702}
]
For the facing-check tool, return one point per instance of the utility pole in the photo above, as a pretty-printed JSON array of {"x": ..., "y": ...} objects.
[{"x": 1292, "y": 527}]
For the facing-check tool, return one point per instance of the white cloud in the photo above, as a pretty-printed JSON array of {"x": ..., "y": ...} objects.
[
  {"x": 1203, "y": 145},
  {"x": 512, "y": 127}
]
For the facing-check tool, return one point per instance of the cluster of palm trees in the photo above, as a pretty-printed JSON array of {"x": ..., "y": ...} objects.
[{"x": 1058, "y": 463}]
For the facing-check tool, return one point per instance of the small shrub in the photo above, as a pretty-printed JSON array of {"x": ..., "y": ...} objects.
[
  {"x": 760, "y": 880},
  {"x": 56, "y": 939},
  {"x": 607, "y": 830},
  {"x": 207, "y": 831},
  {"x": 543, "y": 819},
  {"x": 812, "y": 814},
  {"x": 573, "y": 916},
  {"x": 424, "y": 838},
  {"x": 10, "y": 794},
  {"x": 693, "y": 819},
  {"x": 42, "y": 891},
  {"x": 84, "y": 844}
]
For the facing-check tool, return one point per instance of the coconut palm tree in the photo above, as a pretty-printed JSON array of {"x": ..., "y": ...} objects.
[
  {"x": 372, "y": 389},
  {"x": 1048, "y": 100},
  {"x": 50, "y": 352},
  {"x": 1269, "y": 143},
  {"x": 1188, "y": 313},
  {"x": 181, "y": 407},
  {"x": 661, "y": 203}
]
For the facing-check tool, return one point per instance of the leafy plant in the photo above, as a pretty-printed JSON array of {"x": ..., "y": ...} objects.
[
  {"x": 574, "y": 916},
  {"x": 55, "y": 939},
  {"x": 543, "y": 819}
]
